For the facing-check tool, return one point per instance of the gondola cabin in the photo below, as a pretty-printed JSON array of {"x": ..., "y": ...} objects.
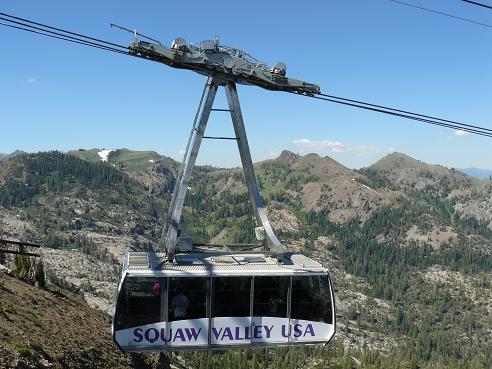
[{"x": 216, "y": 301}]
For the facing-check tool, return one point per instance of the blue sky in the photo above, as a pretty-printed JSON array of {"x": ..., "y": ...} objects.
[{"x": 56, "y": 95}]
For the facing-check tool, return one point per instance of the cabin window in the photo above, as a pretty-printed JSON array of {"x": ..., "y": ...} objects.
[
  {"x": 311, "y": 299},
  {"x": 187, "y": 298},
  {"x": 231, "y": 296},
  {"x": 270, "y": 296},
  {"x": 140, "y": 302}
]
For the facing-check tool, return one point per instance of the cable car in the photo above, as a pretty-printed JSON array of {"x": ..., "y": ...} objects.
[
  {"x": 212, "y": 300},
  {"x": 195, "y": 297}
]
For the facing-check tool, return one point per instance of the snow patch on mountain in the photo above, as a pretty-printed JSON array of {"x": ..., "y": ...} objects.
[{"x": 103, "y": 154}]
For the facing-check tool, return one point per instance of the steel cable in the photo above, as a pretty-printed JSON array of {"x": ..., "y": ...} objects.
[
  {"x": 406, "y": 112},
  {"x": 481, "y": 131},
  {"x": 61, "y": 36},
  {"x": 80, "y": 42},
  {"x": 62, "y": 30},
  {"x": 441, "y": 13},
  {"x": 477, "y": 4}
]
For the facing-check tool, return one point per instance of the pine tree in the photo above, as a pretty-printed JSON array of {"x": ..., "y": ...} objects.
[
  {"x": 22, "y": 265},
  {"x": 39, "y": 276}
]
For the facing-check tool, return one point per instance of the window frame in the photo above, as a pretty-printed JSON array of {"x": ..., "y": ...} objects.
[
  {"x": 288, "y": 294},
  {"x": 212, "y": 294},
  {"x": 210, "y": 283}
]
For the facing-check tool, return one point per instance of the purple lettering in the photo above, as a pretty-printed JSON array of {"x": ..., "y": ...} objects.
[
  {"x": 138, "y": 333},
  {"x": 238, "y": 337},
  {"x": 192, "y": 333},
  {"x": 179, "y": 333},
  {"x": 257, "y": 331},
  {"x": 297, "y": 330},
  {"x": 285, "y": 331},
  {"x": 268, "y": 330},
  {"x": 228, "y": 333},
  {"x": 247, "y": 336},
  {"x": 154, "y": 337},
  {"x": 216, "y": 333},
  {"x": 309, "y": 329},
  {"x": 163, "y": 334}
]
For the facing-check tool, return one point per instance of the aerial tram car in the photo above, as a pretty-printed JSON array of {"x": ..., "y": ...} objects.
[
  {"x": 210, "y": 300},
  {"x": 199, "y": 297}
]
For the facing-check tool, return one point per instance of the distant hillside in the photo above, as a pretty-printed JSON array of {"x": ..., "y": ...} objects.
[
  {"x": 15, "y": 153},
  {"x": 469, "y": 198},
  {"x": 479, "y": 173},
  {"x": 408, "y": 244},
  {"x": 154, "y": 171},
  {"x": 405, "y": 173}
]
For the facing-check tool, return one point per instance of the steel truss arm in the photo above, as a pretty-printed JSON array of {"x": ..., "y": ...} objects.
[
  {"x": 183, "y": 181},
  {"x": 249, "y": 172}
]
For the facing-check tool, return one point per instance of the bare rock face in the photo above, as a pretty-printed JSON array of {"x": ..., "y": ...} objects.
[
  {"x": 436, "y": 237},
  {"x": 97, "y": 280},
  {"x": 288, "y": 158},
  {"x": 474, "y": 201},
  {"x": 282, "y": 219},
  {"x": 14, "y": 226},
  {"x": 229, "y": 184}
]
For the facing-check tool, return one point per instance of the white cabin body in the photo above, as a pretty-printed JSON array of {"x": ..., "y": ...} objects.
[{"x": 212, "y": 300}]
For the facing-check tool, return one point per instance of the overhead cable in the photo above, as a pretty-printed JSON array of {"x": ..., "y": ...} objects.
[
  {"x": 441, "y": 13},
  {"x": 63, "y": 38},
  {"x": 478, "y": 4},
  {"x": 412, "y": 116},
  {"x": 408, "y": 112},
  {"x": 62, "y": 30}
]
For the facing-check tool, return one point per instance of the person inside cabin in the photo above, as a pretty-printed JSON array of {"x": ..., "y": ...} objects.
[
  {"x": 180, "y": 304},
  {"x": 156, "y": 289}
]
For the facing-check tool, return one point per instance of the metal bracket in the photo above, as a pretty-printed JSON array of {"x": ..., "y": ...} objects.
[
  {"x": 170, "y": 233},
  {"x": 5, "y": 249}
]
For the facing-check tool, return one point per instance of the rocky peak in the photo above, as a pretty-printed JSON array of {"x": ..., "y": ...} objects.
[
  {"x": 397, "y": 160},
  {"x": 409, "y": 174},
  {"x": 287, "y": 157}
]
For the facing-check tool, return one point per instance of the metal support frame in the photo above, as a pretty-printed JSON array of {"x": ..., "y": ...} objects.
[
  {"x": 6, "y": 249},
  {"x": 171, "y": 231}
]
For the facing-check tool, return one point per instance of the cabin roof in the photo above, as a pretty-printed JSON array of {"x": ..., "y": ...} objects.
[{"x": 206, "y": 263}]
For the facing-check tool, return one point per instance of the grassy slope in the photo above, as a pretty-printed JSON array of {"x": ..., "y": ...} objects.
[
  {"x": 42, "y": 327},
  {"x": 88, "y": 155}
]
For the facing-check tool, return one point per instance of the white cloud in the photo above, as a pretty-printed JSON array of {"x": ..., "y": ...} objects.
[
  {"x": 181, "y": 152},
  {"x": 460, "y": 133},
  {"x": 32, "y": 81},
  {"x": 274, "y": 153},
  {"x": 332, "y": 146},
  {"x": 326, "y": 146},
  {"x": 367, "y": 150}
]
